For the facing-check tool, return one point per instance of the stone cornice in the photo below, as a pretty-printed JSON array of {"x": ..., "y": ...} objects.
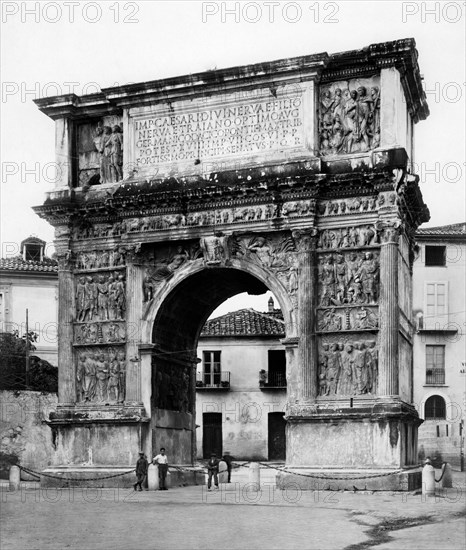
[
  {"x": 185, "y": 87},
  {"x": 401, "y": 54}
]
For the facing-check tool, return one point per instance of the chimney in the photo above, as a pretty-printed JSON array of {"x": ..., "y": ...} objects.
[{"x": 271, "y": 304}]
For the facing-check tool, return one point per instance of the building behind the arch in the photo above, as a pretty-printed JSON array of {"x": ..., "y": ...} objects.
[
  {"x": 439, "y": 300},
  {"x": 293, "y": 176}
]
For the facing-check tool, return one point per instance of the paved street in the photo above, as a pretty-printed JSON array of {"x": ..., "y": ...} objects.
[{"x": 231, "y": 518}]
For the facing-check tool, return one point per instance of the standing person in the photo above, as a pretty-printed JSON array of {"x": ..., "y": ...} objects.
[
  {"x": 228, "y": 459},
  {"x": 162, "y": 460},
  {"x": 141, "y": 471},
  {"x": 212, "y": 468}
]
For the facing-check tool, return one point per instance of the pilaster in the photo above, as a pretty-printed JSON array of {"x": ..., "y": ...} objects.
[
  {"x": 66, "y": 370},
  {"x": 134, "y": 300},
  {"x": 389, "y": 311}
]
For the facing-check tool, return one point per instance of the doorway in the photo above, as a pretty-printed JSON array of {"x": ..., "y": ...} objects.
[
  {"x": 212, "y": 439},
  {"x": 276, "y": 436}
]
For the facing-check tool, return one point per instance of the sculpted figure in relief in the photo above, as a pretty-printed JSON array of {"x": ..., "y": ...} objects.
[
  {"x": 362, "y": 372},
  {"x": 366, "y": 319},
  {"x": 333, "y": 369},
  {"x": 115, "y": 142},
  {"x": 346, "y": 384},
  {"x": 369, "y": 274},
  {"x": 215, "y": 249},
  {"x": 162, "y": 271},
  {"x": 349, "y": 120},
  {"x": 328, "y": 282}
]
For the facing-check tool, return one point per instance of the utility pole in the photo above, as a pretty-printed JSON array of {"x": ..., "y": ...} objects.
[{"x": 27, "y": 349}]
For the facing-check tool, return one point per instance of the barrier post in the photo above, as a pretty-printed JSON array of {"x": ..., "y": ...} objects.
[
  {"x": 255, "y": 475},
  {"x": 153, "y": 477},
  {"x": 428, "y": 480},
  {"x": 15, "y": 478}
]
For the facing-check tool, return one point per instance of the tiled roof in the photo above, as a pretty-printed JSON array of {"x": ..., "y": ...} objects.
[
  {"x": 244, "y": 322},
  {"x": 17, "y": 263},
  {"x": 453, "y": 230}
]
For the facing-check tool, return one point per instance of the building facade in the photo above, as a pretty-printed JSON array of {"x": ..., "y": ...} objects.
[
  {"x": 29, "y": 281},
  {"x": 439, "y": 298},
  {"x": 241, "y": 386}
]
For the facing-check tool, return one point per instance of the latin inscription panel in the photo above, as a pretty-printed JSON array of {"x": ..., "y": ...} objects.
[{"x": 195, "y": 136}]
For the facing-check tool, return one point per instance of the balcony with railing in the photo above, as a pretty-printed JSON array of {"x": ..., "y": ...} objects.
[
  {"x": 272, "y": 380},
  {"x": 213, "y": 381},
  {"x": 435, "y": 376}
]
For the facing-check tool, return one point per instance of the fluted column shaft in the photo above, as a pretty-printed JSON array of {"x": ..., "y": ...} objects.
[
  {"x": 389, "y": 314},
  {"x": 134, "y": 300},
  {"x": 66, "y": 363},
  {"x": 307, "y": 349}
]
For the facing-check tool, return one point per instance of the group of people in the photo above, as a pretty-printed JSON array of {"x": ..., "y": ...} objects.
[
  {"x": 349, "y": 120},
  {"x": 101, "y": 377},
  {"x": 348, "y": 369},
  {"x": 350, "y": 279},
  {"x": 142, "y": 467},
  {"x": 213, "y": 469},
  {"x": 102, "y": 300}
]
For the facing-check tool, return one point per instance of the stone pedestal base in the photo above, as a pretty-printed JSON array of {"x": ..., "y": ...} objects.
[
  {"x": 93, "y": 476},
  {"x": 373, "y": 436},
  {"x": 407, "y": 480},
  {"x": 111, "y": 436}
]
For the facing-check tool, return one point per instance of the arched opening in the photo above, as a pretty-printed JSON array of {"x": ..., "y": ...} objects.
[
  {"x": 178, "y": 322},
  {"x": 435, "y": 408}
]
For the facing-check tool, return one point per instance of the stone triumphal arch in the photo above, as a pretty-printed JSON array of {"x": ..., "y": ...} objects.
[{"x": 173, "y": 195}]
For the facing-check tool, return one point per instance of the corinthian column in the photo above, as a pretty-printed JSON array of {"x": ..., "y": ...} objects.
[
  {"x": 66, "y": 365},
  {"x": 307, "y": 288},
  {"x": 389, "y": 314}
]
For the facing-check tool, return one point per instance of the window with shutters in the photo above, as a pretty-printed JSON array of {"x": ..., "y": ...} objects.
[{"x": 435, "y": 365}]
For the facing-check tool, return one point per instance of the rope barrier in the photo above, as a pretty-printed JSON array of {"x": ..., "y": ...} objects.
[
  {"x": 61, "y": 478},
  {"x": 337, "y": 477},
  {"x": 284, "y": 469},
  {"x": 444, "y": 464}
]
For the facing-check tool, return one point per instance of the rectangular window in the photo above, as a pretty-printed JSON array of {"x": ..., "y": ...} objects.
[
  {"x": 435, "y": 364},
  {"x": 436, "y": 255},
  {"x": 436, "y": 303},
  {"x": 212, "y": 368},
  {"x": 277, "y": 368}
]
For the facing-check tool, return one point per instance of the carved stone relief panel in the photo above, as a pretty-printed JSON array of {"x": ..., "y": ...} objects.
[
  {"x": 96, "y": 259},
  {"x": 347, "y": 206},
  {"x": 348, "y": 367},
  {"x": 338, "y": 319},
  {"x": 348, "y": 237},
  {"x": 100, "y": 151},
  {"x": 276, "y": 253},
  {"x": 161, "y": 262},
  {"x": 350, "y": 278},
  {"x": 100, "y": 297},
  {"x": 101, "y": 375},
  {"x": 106, "y": 332},
  {"x": 172, "y": 386},
  {"x": 295, "y": 209},
  {"x": 349, "y": 116}
]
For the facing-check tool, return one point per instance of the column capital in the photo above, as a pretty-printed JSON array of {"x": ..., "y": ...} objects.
[
  {"x": 389, "y": 231},
  {"x": 306, "y": 239},
  {"x": 131, "y": 252},
  {"x": 65, "y": 259}
]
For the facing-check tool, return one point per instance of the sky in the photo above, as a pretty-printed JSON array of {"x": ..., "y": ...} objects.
[{"x": 52, "y": 48}]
